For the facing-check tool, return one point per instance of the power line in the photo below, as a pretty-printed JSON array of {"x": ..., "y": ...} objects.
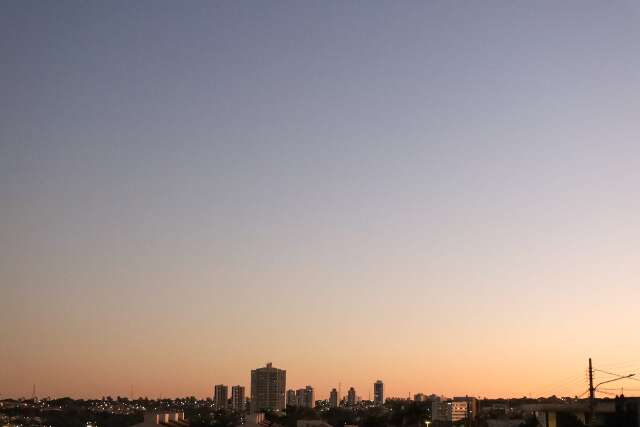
[
  {"x": 608, "y": 373},
  {"x": 619, "y": 365}
]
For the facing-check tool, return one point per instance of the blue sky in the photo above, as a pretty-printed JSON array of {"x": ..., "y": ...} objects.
[{"x": 261, "y": 162}]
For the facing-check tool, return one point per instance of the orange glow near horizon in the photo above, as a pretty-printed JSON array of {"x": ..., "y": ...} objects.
[{"x": 441, "y": 195}]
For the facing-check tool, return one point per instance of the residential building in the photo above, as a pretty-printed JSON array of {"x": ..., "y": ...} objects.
[
  {"x": 449, "y": 410},
  {"x": 268, "y": 386},
  {"x": 237, "y": 398},
  {"x": 351, "y": 397},
  {"x": 420, "y": 397},
  {"x": 305, "y": 397},
  {"x": 291, "y": 398},
  {"x": 333, "y": 398},
  {"x": 472, "y": 405},
  {"x": 220, "y": 396},
  {"x": 378, "y": 393}
]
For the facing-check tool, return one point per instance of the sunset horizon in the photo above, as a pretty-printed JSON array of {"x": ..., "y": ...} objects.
[{"x": 442, "y": 196}]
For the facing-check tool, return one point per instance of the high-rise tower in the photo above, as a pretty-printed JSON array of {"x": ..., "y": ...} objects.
[
  {"x": 220, "y": 396},
  {"x": 268, "y": 388},
  {"x": 378, "y": 393},
  {"x": 237, "y": 398}
]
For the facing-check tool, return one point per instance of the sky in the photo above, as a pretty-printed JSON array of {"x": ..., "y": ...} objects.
[{"x": 442, "y": 195}]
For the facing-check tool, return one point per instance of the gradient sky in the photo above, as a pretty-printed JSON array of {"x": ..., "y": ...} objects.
[{"x": 443, "y": 195}]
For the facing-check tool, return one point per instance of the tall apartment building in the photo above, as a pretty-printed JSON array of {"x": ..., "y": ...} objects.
[
  {"x": 378, "y": 392},
  {"x": 305, "y": 397},
  {"x": 291, "y": 398},
  {"x": 220, "y": 396},
  {"x": 333, "y": 398},
  {"x": 351, "y": 397},
  {"x": 268, "y": 386},
  {"x": 237, "y": 398}
]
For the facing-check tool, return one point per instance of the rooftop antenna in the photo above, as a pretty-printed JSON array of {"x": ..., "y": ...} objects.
[{"x": 33, "y": 392}]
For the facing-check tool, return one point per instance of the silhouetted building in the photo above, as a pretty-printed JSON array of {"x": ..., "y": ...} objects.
[
  {"x": 291, "y": 398},
  {"x": 220, "y": 396},
  {"x": 267, "y": 388},
  {"x": 305, "y": 397},
  {"x": 378, "y": 393},
  {"x": 237, "y": 398},
  {"x": 351, "y": 397},
  {"x": 333, "y": 398}
]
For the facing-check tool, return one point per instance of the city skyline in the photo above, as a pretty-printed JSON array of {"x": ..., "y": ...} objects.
[
  {"x": 351, "y": 396},
  {"x": 442, "y": 195}
]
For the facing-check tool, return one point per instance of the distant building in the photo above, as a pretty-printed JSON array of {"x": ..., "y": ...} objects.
[
  {"x": 472, "y": 405},
  {"x": 351, "y": 397},
  {"x": 268, "y": 386},
  {"x": 237, "y": 398},
  {"x": 333, "y": 398},
  {"x": 309, "y": 397},
  {"x": 378, "y": 393},
  {"x": 420, "y": 397},
  {"x": 291, "y": 398},
  {"x": 221, "y": 396},
  {"x": 305, "y": 397},
  {"x": 449, "y": 410}
]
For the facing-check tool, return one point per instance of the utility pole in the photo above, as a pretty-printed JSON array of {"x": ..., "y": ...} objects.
[
  {"x": 592, "y": 390},
  {"x": 592, "y": 394}
]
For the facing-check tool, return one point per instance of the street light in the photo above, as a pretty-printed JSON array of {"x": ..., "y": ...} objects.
[
  {"x": 592, "y": 403},
  {"x": 615, "y": 379}
]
